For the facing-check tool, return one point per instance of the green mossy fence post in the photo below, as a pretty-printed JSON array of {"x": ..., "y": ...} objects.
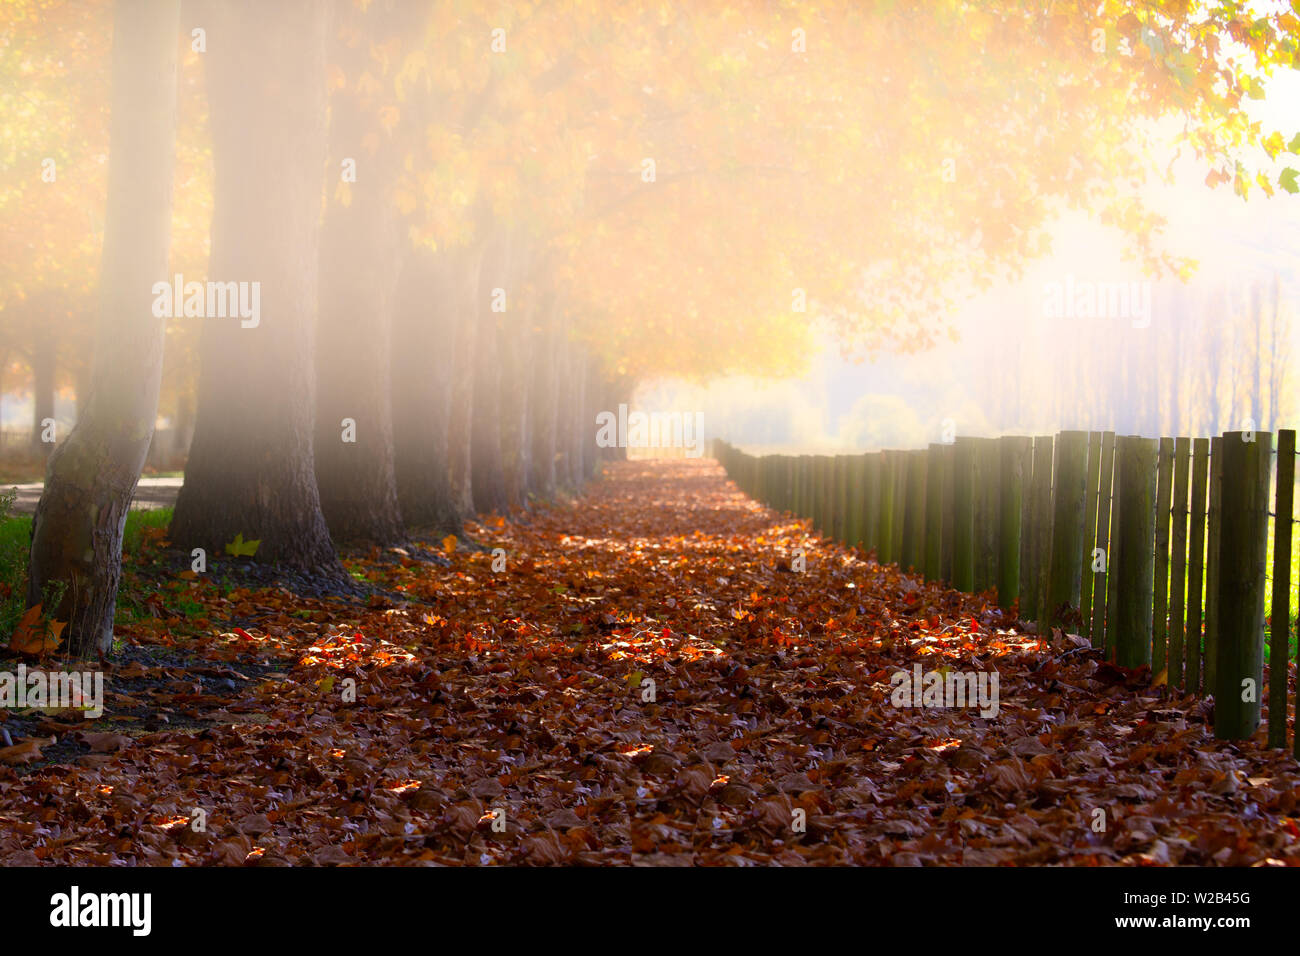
[
  {"x": 1196, "y": 564},
  {"x": 914, "y": 516},
  {"x": 812, "y": 496},
  {"x": 1213, "y": 534},
  {"x": 812, "y": 500},
  {"x": 1099, "y": 561},
  {"x": 963, "y": 482},
  {"x": 898, "y": 464},
  {"x": 1087, "y": 578},
  {"x": 825, "y": 489},
  {"x": 826, "y": 526},
  {"x": 857, "y": 499},
  {"x": 796, "y": 480},
  {"x": 1016, "y": 462},
  {"x": 946, "y": 504},
  {"x": 1133, "y": 549},
  {"x": 871, "y": 515},
  {"x": 817, "y": 499},
  {"x": 1280, "y": 626},
  {"x": 840, "y": 520},
  {"x": 987, "y": 487},
  {"x": 1160, "y": 602},
  {"x": 934, "y": 512},
  {"x": 1025, "y": 561},
  {"x": 1242, "y": 563},
  {"x": 1069, "y": 478},
  {"x": 1034, "y": 608},
  {"x": 885, "y": 528},
  {"x": 1178, "y": 565}
]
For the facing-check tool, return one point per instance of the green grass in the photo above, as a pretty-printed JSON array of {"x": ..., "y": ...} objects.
[{"x": 15, "y": 546}]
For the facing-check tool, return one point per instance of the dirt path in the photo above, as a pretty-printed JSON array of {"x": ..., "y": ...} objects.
[
  {"x": 150, "y": 494},
  {"x": 651, "y": 680}
]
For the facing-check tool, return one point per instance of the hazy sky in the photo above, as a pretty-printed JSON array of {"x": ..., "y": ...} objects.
[{"x": 1233, "y": 242}]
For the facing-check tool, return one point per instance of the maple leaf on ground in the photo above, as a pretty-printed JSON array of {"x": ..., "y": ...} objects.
[
  {"x": 35, "y": 636},
  {"x": 239, "y": 548}
]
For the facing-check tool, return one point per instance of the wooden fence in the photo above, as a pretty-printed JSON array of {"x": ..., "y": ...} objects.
[{"x": 1155, "y": 550}]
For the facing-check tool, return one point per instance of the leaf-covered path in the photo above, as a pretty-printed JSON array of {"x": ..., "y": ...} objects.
[{"x": 506, "y": 716}]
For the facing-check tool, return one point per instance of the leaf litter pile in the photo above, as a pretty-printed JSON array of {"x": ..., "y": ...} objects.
[{"x": 648, "y": 680}]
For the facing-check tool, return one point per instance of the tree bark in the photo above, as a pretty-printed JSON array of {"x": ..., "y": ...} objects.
[
  {"x": 251, "y": 469},
  {"x": 543, "y": 407},
  {"x": 460, "y": 417},
  {"x": 360, "y": 248},
  {"x": 43, "y": 370},
  {"x": 421, "y": 382},
  {"x": 517, "y": 346},
  {"x": 77, "y": 530},
  {"x": 488, "y": 471}
]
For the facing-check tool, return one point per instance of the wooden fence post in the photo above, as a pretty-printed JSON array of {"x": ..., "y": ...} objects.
[
  {"x": 871, "y": 505},
  {"x": 963, "y": 490},
  {"x": 1241, "y": 561},
  {"x": 1025, "y": 563},
  {"x": 1035, "y": 586},
  {"x": 885, "y": 529},
  {"x": 1069, "y": 478},
  {"x": 914, "y": 516},
  {"x": 1196, "y": 563},
  {"x": 1100, "y": 560},
  {"x": 829, "y": 516},
  {"x": 840, "y": 497},
  {"x": 1279, "y": 630},
  {"x": 1016, "y": 461},
  {"x": 899, "y": 466},
  {"x": 1160, "y": 603},
  {"x": 1213, "y": 533},
  {"x": 1132, "y": 551},
  {"x": 1178, "y": 570},
  {"x": 946, "y": 505},
  {"x": 857, "y": 487},
  {"x": 934, "y": 513},
  {"x": 1087, "y": 577},
  {"x": 987, "y": 484}
]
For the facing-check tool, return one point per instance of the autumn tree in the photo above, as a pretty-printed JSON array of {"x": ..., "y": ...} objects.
[
  {"x": 251, "y": 471},
  {"x": 77, "y": 531}
]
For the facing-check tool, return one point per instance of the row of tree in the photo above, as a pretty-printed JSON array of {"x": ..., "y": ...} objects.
[{"x": 528, "y": 208}]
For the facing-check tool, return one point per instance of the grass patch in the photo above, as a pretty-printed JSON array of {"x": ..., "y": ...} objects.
[{"x": 15, "y": 548}]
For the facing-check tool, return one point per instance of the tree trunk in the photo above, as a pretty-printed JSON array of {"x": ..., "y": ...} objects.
[
  {"x": 543, "y": 406},
  {"x": 43, "y": 368},
  {"x": 359, "y": 271},
  {"x": 517, "y": 344},
  {"x": 251, "y": 469},
  {"x": 460, "y": 417},
  {"x": 421, "y": 396},
  {"x": 77, "y": 530},
  {"x": 488, "y": 472}
]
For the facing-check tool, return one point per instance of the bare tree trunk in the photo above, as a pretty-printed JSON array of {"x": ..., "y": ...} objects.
[
  {"x": 360, "y": 248},
  {"x": 488, "y": 471},
  {"x": 252, "y": 468},
  {"x": 517, "y": 345},
  {"x": 77, "y": 530},
  {"x": 43, "y": 369},
  {"x": 543, "y": 407},
  {"x": 460, "y": 421},
  {"x": 421, "y": 396}
]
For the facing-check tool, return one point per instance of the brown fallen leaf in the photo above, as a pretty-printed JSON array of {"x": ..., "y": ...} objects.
[{"x": 24, "y": 752}]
